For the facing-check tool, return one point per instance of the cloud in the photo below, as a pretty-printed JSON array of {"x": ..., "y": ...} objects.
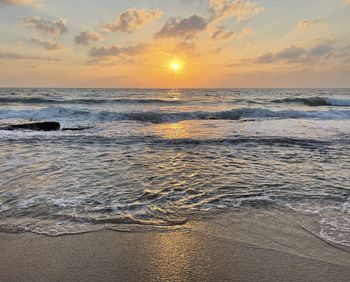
[
  {"x": 55, "y": 27},
  {"x": 291, "y": 53},
  {"x": 308, "y": 24},
  {"x": 49, "y": 46},
  {"x": 222, "y": 34},
  {"x": 87, "y": 37},
  {"x": 16, "y": 56},
  {"x": 246, "y": 32},
  {"x": 321, "y": 50},
  {"x": 266, "y": 58},
  {"x": 32, "y": 3},
  {"x": 295, "y": 54},
  {"x": 185, "y": 28},
  {"x": 242, "y": 10},
  {"x": 184, "y": 47},
  {"x": 116, "y": 51},
  {"x": 132, "y": 20}
]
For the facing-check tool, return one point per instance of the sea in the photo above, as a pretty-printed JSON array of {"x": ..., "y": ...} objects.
[{"x": 156, "y": 159}]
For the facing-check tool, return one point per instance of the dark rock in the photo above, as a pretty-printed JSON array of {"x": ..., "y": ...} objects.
[{"x": 39, "y": 126}]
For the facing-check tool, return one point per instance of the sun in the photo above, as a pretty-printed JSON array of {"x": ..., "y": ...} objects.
[{"x": 175, "y": 66}]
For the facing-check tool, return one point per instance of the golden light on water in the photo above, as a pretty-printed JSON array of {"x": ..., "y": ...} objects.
[{"x": 191, "y": 129}]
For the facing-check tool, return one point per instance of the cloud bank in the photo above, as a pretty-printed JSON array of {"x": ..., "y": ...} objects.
[{"x": 296, "y": 54}]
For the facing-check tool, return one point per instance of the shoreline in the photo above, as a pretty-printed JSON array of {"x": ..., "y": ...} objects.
[{"x": 228, "y": 248}]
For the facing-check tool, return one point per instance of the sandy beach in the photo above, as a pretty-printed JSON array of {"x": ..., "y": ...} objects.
[{"x": 199, "y": 251}]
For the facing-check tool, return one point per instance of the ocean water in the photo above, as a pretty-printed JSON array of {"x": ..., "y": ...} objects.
[{"x": 155, "y": 159}]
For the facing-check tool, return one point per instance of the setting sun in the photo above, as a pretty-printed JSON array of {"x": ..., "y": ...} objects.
[{"x": 175, "y": 66}]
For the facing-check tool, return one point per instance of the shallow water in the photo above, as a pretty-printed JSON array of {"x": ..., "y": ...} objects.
[{"x": 158, "y": 158}]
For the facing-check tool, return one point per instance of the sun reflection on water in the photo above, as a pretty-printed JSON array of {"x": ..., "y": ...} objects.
[{"x": 191, "y": 129}]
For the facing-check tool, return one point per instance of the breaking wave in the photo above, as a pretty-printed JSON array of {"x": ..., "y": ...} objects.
[
  {"x": 316, "y": 101},
  {"x": 169, "y": 117}
]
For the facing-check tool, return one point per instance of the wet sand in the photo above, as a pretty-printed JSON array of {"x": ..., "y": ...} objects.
[{"x": 210, "y": 251}]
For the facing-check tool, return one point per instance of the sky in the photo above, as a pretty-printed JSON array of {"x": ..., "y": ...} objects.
[{"x": 175, "y": 43}]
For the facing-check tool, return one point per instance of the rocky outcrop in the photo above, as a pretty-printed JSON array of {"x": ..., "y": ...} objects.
[
  {"x": 42, "y": 126},
  {"x": 38, "y": 126}
]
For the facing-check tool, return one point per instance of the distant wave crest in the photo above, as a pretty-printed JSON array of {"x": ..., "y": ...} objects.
[{"x": 37, "y": 100}]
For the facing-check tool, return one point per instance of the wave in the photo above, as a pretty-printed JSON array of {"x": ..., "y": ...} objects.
[
  {"x": 35, "y": 100},
  {"x": 235, "y": 114},
  {"x": 316, "y": 101},
  {"x": 43, "y": 114},
  {"x": 155, "y": 141},
  {"x": 79, "y": 217},
  {"x": 166, "y": 117},
  {"x": 265, "y": 141}
]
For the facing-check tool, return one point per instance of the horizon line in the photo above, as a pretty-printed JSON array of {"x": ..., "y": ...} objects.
[{"x": 170, "y": 88}]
